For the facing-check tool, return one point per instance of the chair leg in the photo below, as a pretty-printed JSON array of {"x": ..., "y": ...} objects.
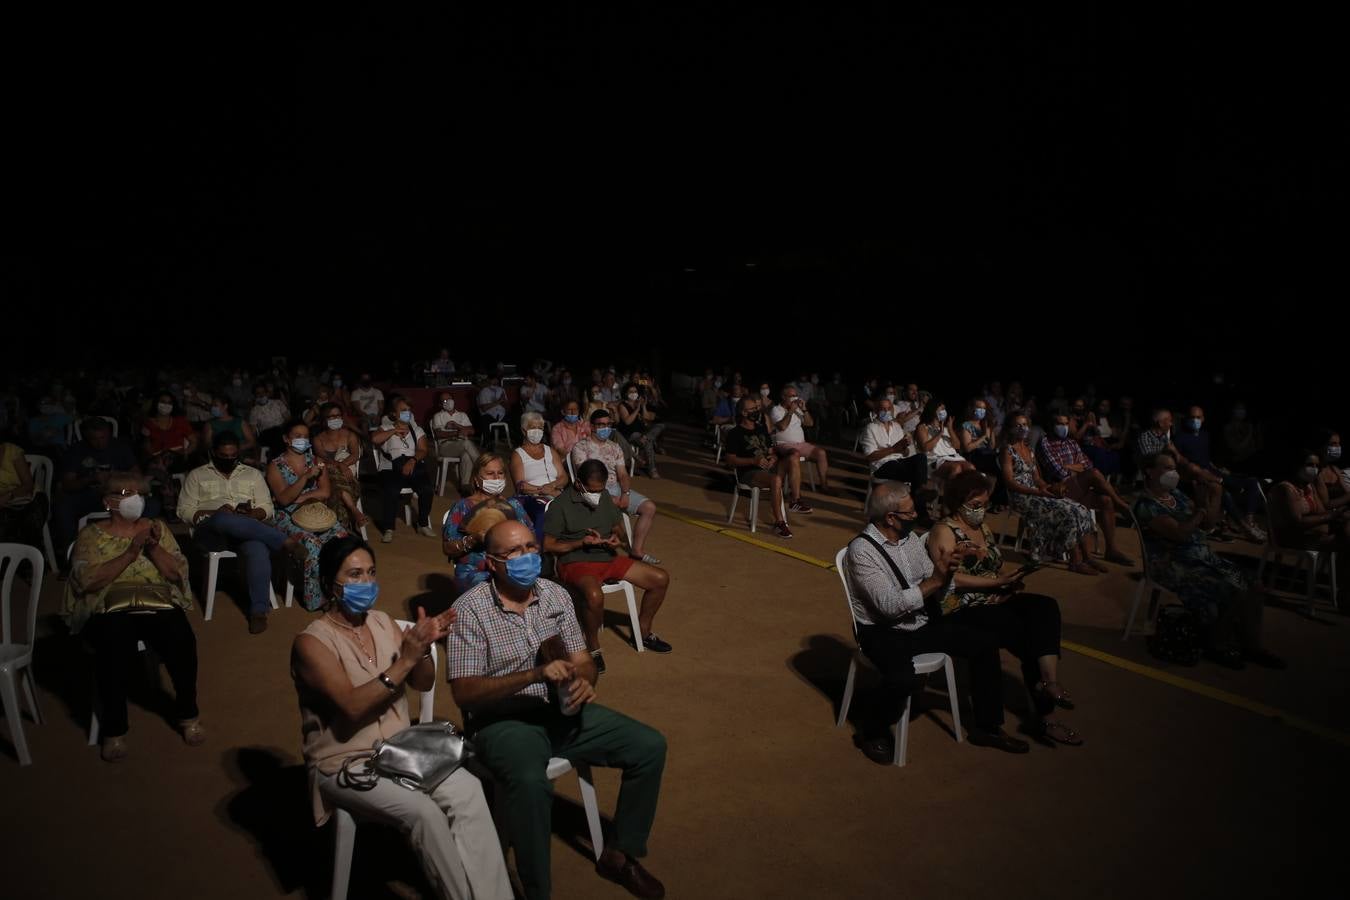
[
  {"x": 631, "y": 596},
  {"x": 30, "y": 694},
  {"x": 754, "y": 509},
  {"x": 735, "y": 499},
  {"x": 407, "y": 513},
  {"x": 954, "y": 698},
  {"x": 344, "y": 843},
  {"x": 212, "y": 572},
  {"x": 272, "y": 596},
  {"x": 848, "y": 690},
  {"x": 11, "y": 705},
  {"x": 588, "y": 802},
  {"x": 1312, "y": 584},
  {"x": 1134, "y": 606},
  {"x": 48, "y": 548},
  {"x": 902, "y": 733}
]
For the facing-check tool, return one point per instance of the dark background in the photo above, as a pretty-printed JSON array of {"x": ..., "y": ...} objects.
[{"x": 938, "y": 192}]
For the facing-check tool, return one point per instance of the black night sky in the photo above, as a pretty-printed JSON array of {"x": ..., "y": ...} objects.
[{"x": 870, "y": 185}]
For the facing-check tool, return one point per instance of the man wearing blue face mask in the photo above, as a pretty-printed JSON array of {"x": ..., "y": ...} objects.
[
  {"x": 1071, "y": 474},
  {"x": 400, "y": 452},
  {"x": 598, "y": 445},
  {"x": 1241, "y": 493},
  {"x": 522, "y": 711}
]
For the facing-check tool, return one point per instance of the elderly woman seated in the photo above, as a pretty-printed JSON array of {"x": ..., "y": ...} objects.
[
  {"x": 987, "y": 599},
  {"x": 340, "y": 448},
  {"x": 351, "y": 667},
  {"x": 571, "y": 429},
  {"x": 1305, "y": 516},
  {"x": 470, "y": 518},
  {"x": 1056, "y": 526},
  {"x": 452, "y": 431},
  {"x": 537, "y": 471},
  {"x": 1212, "y": 589},
  {"x": 129, "y": 583}
]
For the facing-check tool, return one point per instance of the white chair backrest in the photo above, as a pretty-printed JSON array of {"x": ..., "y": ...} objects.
[
  {"x": 428, "y": 697},
  {"x": 1143, "y": 547},
  {"x": 628, "y": 527},
  {"x": 109, "y": 419},
  {"x": 840, "y": 566},
  {"x": 10, "y": 557},
  {"x": 42, "y": 472}
]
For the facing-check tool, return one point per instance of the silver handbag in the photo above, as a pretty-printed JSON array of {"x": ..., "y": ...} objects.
[{"x": 418, "y": 758}]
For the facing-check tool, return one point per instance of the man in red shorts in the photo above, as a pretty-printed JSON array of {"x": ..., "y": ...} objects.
[{"x": 585, "y": 529}]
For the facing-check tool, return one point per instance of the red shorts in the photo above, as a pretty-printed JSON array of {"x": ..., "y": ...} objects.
[{"x": 615, "y": 569}]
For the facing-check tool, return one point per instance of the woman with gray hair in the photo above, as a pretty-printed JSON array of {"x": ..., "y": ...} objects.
[
  {"x": 537, "y": 471},
  {"x": 128, "y": 583}
]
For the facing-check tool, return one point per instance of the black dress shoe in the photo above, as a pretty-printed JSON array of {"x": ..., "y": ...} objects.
[
  {"x": 998, "y": 740},
  {"x": 632, "y": 877},
  {"x": 1228, "y": 657},
  {"x": 655, "y": 644},
  {"x": 1264, "y": 658},
  {"x": 879, "y": 750}
]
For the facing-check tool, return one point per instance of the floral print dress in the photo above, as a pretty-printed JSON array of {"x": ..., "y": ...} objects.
[
  {"x": 1055, "y": 525},
  {"x": 1205, "y": 582},
  {"x": 312, "y": 596}
]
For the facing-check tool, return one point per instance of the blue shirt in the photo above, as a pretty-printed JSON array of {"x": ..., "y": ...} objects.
[
  {"x": 84, "y": 460},
  {"x": 1193, "y": 446},
  {"x": 49, "y": 431}
]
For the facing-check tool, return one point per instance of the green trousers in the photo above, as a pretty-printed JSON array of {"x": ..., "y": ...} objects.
[{"x": 517, "y": 751}]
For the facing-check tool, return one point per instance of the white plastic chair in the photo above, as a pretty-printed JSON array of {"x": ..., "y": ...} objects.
[
  {"x": 75, "y": 427},
  {"x": 753, "y": 491},
  {"x": 924, "y": 664},
  {"x": 42, "y": 481},
  {"x": 446, "y": 461},
  {"x": 344, "y": 823},
  {"x": 213, "y": 558},
  {"x": 1274, "y": 554},
  {"x": 625, "y": 588},
  {"x": 1146, "y": 585},
  {"x": 16, "y": 660},
  {"x": 505, "y": 432}
]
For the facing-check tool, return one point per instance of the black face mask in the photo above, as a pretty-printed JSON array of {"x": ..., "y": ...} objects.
[
  {"x": 753, "y": 417},
  {"x": 224, "y": 464},
  {"x": 904, "y": 526}
]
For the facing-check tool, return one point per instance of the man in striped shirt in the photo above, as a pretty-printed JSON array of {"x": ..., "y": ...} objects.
[{"x": 898, "y": 618}]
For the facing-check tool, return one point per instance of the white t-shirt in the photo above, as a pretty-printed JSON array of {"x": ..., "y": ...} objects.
[
  {"x": 904, "y": 408},
  {"x": 535, "y": 400},
  {"x": 493, "y": 395},
  {"x": 398, "y": 446},
  {"x": 370, "y": 400},
  {"x": 792, "y": 434},
  {"x": 441, "y": 421}
]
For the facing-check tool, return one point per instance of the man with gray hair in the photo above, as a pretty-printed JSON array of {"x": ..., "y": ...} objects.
[{"x": 895, "y": 591}]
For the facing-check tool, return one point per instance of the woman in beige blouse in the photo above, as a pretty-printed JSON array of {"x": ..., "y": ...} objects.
[{"x": 351, "y": 667}]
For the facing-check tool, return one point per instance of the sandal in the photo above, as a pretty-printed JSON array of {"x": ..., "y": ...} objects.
[
  {"x": 1082, "y": 569},
  {"x": 1060, "y": 699},
  {"x": 194, "y": 735},
  {"x": 1060, "y": 733},
  {"x": 113, "y": 749}
]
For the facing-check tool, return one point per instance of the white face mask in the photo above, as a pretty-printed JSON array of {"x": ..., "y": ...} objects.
[
  {"x": 164, "y": 408},
  {"x": 1310, "y": 473},
  {"x": 1170, "y": 479},
  {"x": 632, "y": 398},
  {"x": 591, "y": 500},
  {"x": 131, "y": 508},
  {"x": 334, "y": 424},
  {"x": 534, "y": 435},
  {"x": 494, "y": 486},
  {"x": 764, "y": 392},
  {"x": 1333, "y": 451},
  {"x": 448, "y": 405}
]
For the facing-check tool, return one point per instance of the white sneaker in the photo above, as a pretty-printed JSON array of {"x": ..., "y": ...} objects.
[
  {"x": 387, "y": 537},
  {"x": 425, "y": 531}
]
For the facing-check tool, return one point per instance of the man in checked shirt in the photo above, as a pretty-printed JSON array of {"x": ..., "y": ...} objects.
[{"x": 521, "y": 711}]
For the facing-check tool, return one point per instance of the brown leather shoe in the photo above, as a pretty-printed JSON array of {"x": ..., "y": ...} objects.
[
  {"x": 257, "y": 624},
  {"x": 632, "y": 877}
]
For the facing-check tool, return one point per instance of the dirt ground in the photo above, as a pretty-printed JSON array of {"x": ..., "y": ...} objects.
[{"x": 1174, "y": 794}]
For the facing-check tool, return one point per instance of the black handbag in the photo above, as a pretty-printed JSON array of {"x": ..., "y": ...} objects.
[{"x": 1176, "y": 638}]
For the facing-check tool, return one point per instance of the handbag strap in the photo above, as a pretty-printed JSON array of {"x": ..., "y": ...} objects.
[
  {"x": 931, "y": 605},
  {"x": 349, "y": 777}
]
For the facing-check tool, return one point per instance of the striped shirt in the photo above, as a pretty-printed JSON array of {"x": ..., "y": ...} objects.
[
  {"x": 488, "y": 641},
  {"x": 875, "y": 595}
]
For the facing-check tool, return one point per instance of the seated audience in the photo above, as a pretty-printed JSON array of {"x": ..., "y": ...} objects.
[
  {"x": 586, "y": 529},
  {"x": 167, "y": 442},
  {"x": 935, "y": 438},
  {"x": 571, "y": 429},
  {"x": 196, "y": 406},
  {"x": 892, "y": 454},
  {"x": 537, "y": 471},
  {"x": 296, "y": 478},
  {"x": 268, "y": 417},
  {"x": 83, "y": 472},
  {"x": 230, "y": 508},
  {"x": 1055, "y": 525},
  {"x": 1335, "y": 480},
  {"x": 222, "y": 421},
  {"x": 129, "y": 583},
  {"x": 468, "y": 520},
  {"x": 786, "y": 423},
  {"x": 725, "y": 413},
  {"x": 1241, "y": 495},
  {"x": 1241, "y": 440},
  {"x": 521, "y": 709},
  {"x": 894, "y": 589},
  {"x": 453, "y": 432},
  {"x": 597, "y": 445},
  {"x": 1068, "y": 471},
  {"x": 351, "y": 667},
  {"x": 340, "y": 449},
  {"x": 400, "y": 451},
  {"x": 1180, "y": 560},
  {"x": 23, "y": 505},
  {"x": 1028, "y": 625},
  {"x": 49, "y": 429},
  {"x": 1159, "y": 438},
  {"x": 492, "y": 400},
  {"x": 1102, "y": 442},
  {"x": 909, "y": 409},
  {"x": 1303, "y": 517},
  {"x": 368, "y": 400},
  {"x": 638, "y": 424},
  {"x": 749, "y": 451},
  {"x": 533, "y": 395},
  {"x": 979, "y": 437}
]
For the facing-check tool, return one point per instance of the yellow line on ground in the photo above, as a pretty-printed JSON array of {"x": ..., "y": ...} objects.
[{"x": 1186, "y": 684}]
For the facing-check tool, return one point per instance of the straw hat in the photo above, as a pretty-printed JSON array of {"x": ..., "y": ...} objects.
[{"x": 314, "y": 516}]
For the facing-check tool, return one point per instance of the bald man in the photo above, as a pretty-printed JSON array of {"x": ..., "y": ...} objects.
[{"x": 519, "y": 669}]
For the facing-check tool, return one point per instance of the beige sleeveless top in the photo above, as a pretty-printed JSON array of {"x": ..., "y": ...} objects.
[{"x": 325, "y": 746}]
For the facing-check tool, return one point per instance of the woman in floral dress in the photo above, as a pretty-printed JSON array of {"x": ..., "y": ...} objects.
[
  {"x": 1055, "y": 525},
  {"x": 295, "y": 479}
]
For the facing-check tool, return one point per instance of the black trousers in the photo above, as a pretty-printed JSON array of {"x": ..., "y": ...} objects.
[
  {"x": 392, "y": 483},
  {"x": 113, "y": 637},
  {"x": 892, "y": 651},
  {"x": 913, "y": 471},
  {"x": 1027, "y": 626}
]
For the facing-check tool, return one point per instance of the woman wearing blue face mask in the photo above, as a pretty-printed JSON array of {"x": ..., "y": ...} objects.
[
  {"x": 223, "y": 419},
  {"x": 401, "y": 450},
  {"x": 571, "y": 429},
  {"x": 979, "y": 444},
  {"x": 352, "y": 667},
  {"x": 486, "y": 505},
  {"x": 1334, "y": 479},
  {"x": 935, "y": 437},
  {"x": 296, "y": 478}
]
